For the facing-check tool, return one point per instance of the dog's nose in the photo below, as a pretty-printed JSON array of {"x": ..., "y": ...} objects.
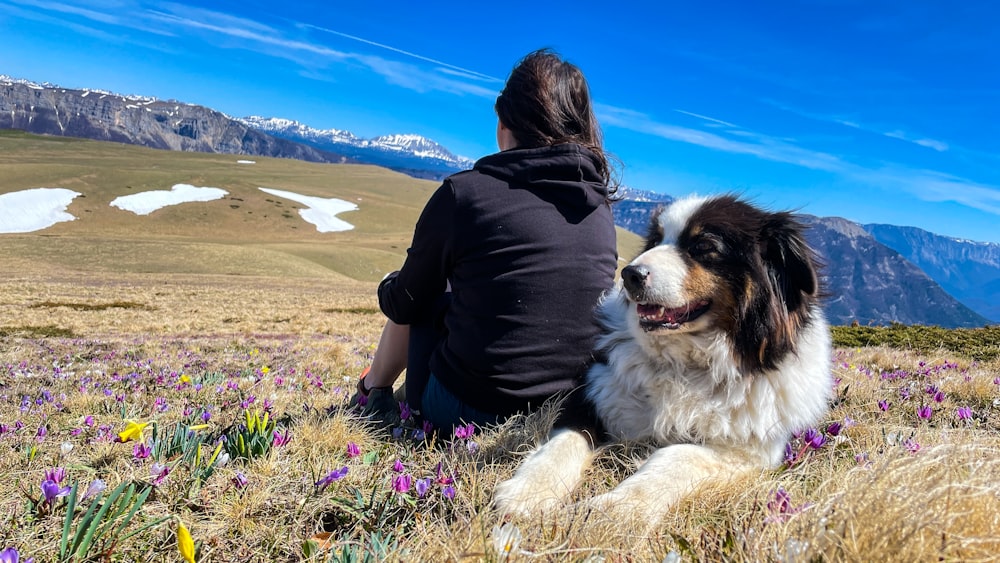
[{"x": 634, "y": 277}]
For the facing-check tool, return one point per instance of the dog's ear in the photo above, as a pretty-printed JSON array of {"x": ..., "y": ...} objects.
[
  {"x": 767, "y": 326},
  {"x": 791, "y": 263}
]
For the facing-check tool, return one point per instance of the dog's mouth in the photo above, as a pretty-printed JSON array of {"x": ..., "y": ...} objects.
[{"x": 653, "y": 316}]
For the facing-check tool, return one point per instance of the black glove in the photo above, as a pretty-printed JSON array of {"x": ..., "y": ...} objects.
[{"x": 380, "y": 406}]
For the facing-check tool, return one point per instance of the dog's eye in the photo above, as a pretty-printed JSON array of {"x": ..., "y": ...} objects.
[{"x": 704, "y": 246}]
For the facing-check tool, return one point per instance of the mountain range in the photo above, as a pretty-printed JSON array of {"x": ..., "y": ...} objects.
[
  {"x": 410, "y": 154},
  {"x": 875, "y": 274}
]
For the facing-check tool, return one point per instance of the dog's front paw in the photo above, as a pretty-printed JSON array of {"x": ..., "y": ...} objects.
[
  {"x": 546, "y": 477},
  {"x": 523, "y": 496},
  {"x": 621, "y": 505}
]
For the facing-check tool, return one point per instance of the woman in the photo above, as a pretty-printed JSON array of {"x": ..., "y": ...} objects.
[{"x": 491, "y": 313}]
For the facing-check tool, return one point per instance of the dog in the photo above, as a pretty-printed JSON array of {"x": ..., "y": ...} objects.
[{"x": 714, "y": 348}]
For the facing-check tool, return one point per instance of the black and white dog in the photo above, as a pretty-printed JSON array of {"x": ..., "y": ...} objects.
[{"x": 714, "y": 347}]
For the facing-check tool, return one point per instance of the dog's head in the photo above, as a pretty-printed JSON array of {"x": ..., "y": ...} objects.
[{"x": 722, "y": 264}]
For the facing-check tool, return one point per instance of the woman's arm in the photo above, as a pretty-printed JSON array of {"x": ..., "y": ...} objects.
[{"x": 410, "y": 293}]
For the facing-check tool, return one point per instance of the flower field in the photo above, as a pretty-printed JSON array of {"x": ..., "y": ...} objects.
[{"x": 131, "y": 436}]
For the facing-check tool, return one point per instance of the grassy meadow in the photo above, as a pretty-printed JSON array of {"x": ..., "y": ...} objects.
[{"x": 197, "y": 362}]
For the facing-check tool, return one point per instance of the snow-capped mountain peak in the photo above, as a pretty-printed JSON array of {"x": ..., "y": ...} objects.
[{"x": 403, "y": 145}]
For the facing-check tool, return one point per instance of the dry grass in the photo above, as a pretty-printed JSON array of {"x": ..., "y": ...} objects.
[
  {"x": 863, "y": 496},
  {"x": 166, "y": 317}
]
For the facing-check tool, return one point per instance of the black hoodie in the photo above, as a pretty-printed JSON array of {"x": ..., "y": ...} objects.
[{"x": 527, "y": 241}]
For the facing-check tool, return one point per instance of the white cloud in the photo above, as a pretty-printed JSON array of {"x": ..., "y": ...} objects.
[
  {"x": 755, "y": 144},
  {"x": 933, "y": 186},
  {"x": 414, "y": 78},
  {"x": 447, "y": 68},
  {"x": 939, "y": 146},
  {"x": 929, "y": 143},
  {"x": 706, "y": 118}
]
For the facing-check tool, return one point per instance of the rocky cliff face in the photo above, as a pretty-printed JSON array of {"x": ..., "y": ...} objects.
[
  {"x": 871, "y": 283},
  {"x": 149, "y": 122},
  {"x": 968, "y": 270}
]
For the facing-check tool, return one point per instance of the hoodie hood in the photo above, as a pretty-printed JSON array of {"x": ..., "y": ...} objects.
[{"x": 565, "y": 172}]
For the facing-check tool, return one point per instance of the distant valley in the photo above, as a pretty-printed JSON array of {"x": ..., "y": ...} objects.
[{"x": 877, "y": 274}]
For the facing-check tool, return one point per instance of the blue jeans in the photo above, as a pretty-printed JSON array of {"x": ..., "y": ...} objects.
[
  {"x": 425, "y": 336},
  {"x": 446, "y": 411}
]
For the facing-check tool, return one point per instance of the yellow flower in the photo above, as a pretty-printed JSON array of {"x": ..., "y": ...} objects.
[
  {"x": 133, "y": 430},
  {"x": 265, "y": 370},
  {"x": 185, "y": 544},
  {"x": 185, "y": 378}
]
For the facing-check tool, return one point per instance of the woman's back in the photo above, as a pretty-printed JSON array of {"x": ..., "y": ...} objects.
[{"x": 532, "y": 249}]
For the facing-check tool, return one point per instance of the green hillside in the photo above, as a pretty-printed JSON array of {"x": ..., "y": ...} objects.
[{"x": 247, "y": 232}]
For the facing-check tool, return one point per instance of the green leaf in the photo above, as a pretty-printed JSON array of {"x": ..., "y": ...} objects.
[
  {"x": 309, "y": 549},
  {"x": 70, "y": 508},
  {"x": 93, "y": 525},
  {"x": 84, "y": 522},
  {"x": 370, "y": 458}
]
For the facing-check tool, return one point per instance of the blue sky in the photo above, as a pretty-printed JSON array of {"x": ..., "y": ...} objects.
[{"x": 879, "y": 112}]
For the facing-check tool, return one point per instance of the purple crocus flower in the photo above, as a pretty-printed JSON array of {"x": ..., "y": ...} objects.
[
  {"x": 51, "y": 491},
  {"x": 780, "y": 503},
  {"x": 281, "y": 440},
  {"x": 834, "y": 429},
  {"x": 141, "y": 451},
  {"x": 11, "y": 555},
  {"x": 353, "y": 450},
  {"x": 404, "y": 411},
  {"x": 964, "y": 413},
  {"x": 421, "y": 486},
  {"x": 883, "y": 405},
  {"x": 398, "y": 466},
  {"x": 88, "y": 420},
  {"x": 466, "y": 431},
  {"x": 442, "y": 478},
  {"x": 791, "y": 456},
  {"x": 159, "y": 471},
  {"x": 814, "y": 438},
  {"x": 330, "y": 477},
  {"x": 239, "y": 480},
  {"x": 95, "y": 487},
  {"x": 56, "y": 475},
  {"x": 448, "y": 492},
  {"x": 402, "y": 483},
  {"x": 925, "y": 412}
]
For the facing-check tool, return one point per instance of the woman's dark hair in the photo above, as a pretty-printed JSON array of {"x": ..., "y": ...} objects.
[{"x": 546, "y": 101}]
